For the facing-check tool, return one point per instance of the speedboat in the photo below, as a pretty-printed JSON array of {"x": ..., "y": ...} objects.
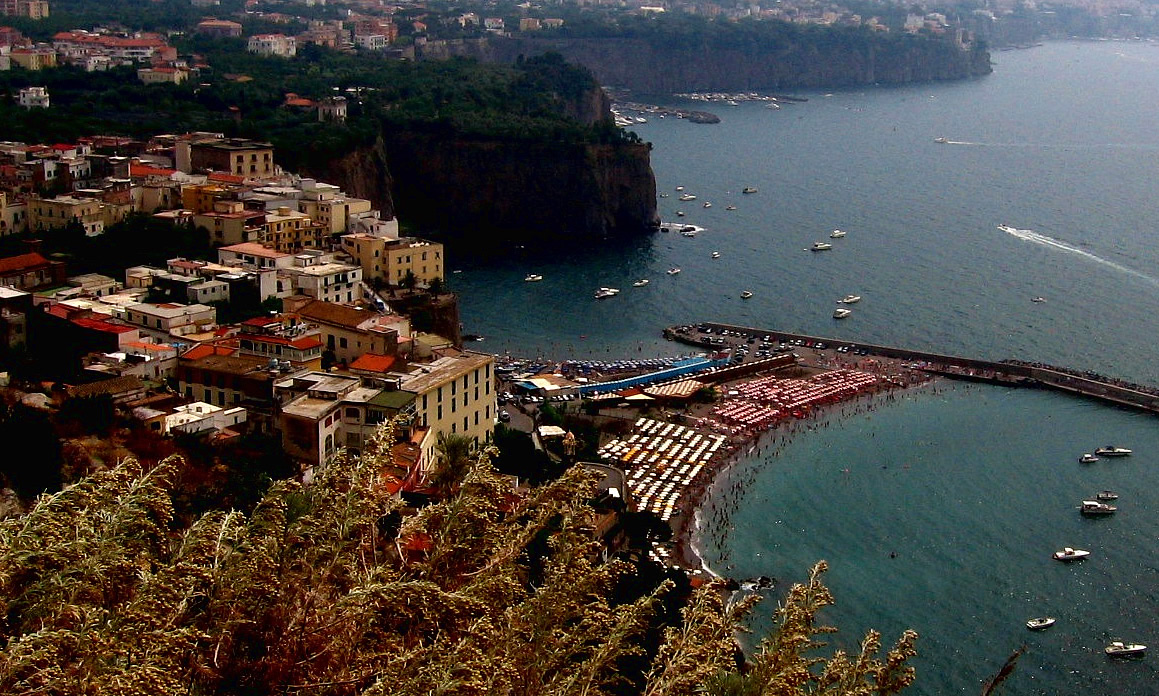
[
  {"x": 820, "y": 246},
  {"x": 674, "y": 270},
  {"x": 640, "y": 283},
  {"x": 1088, "y": 458},
  {"x": 1039, "y": 623},
  {"x": 1120, "y": 649},
  {"x": 687, "y": 197},
  {"x": 837, "y": 234},
  {"x": 1096, "y": 508},
  {"x": 841, "y": 313},
  {"x": 1008, "y": 229},
  {"x": 707, "y": 204},
  {"x": 1106, "y": 495},
  {"x": 679, "y": 213},
  {"x": 1112, "y": 451},
  {"x": 850, "y": 299},
  {"x": 746, "y": 294},
  {"x": 941, "y": 141},
  {"x": 604, "y": 293},
  {"x": 716, "y": 254},
  {"x": 1038, "y": 300},
  {"x": 1069, "y": 554},
  {"x": 533, "y": 277},
  {"x": 730, "y": 207},
  {"x": 749, "y": 189}
]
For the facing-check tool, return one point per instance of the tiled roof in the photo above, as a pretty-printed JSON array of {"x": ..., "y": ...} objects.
[
  {"x": 22, "y": 262},
  {"x": 335, "y": 314},
  {"x": 372, "y": 362},
  {"x": 207, "y": 349},
  {"x": 117, "y": 385}
]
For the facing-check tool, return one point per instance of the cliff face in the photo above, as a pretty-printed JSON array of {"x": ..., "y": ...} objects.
[
  {"x": 641, "y": 66},
  {"x": 362, "y": 173},
  {"x": 473, "y": 190}
]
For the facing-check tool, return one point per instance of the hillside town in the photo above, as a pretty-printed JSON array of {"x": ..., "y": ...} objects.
[{"x": 326, "y": 351}]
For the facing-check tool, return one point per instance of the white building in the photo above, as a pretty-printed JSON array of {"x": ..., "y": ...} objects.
[
  {"x": 273, "y": 45},
  {"x": 33, "y": 97}
]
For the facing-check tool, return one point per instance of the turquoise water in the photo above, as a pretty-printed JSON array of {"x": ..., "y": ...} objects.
[{"x": 972, "y": 489}]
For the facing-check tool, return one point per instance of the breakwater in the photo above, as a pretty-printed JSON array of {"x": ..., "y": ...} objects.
[{"x": 1010, "y": 372}]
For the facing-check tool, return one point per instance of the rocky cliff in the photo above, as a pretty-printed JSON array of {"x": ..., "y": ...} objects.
[{"x": 648, "y": 67}]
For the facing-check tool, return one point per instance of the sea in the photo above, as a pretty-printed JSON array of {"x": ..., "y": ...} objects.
[{"x": 937, "y": 510}]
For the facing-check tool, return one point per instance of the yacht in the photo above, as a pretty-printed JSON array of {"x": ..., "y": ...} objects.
[
  {"x": 674, "y": 270},
  {"x": 1039, "y": 623},
  {"x": 604, "y": 293},
  {"x": 820, "y": 246},
  {"x": 841, "y": 313},
  {"x": 640, "y": 283},
  {"x": 533, "y": 277},
  {"x": 749, "y": 189},
  {"x": 850, "y": 299},
  {"x": 837, "y": 234},
  {"x": 1096, "y": 508},
  {"x": 1069, "y": 554},
  {"x": 1120, "y": 649},
  {"x": 1106, "y": 495},
  {"x": 746, "y": 294},
  {"x": 1088, "y": 458},
  {"x": 1112, "y": 451},
  {"x": 687, "y": 197}
]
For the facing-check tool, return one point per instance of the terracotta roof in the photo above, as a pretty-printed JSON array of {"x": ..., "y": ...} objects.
[
  {"x": 226, "y": 178},
  {"x": 335, "y": 314},
  {"x": 372, "y": 362},
  {"x": 22, "y": 262},
  {"x": 117, "y": 385},
  {"x": 205, "y": 350},
  {"x": 304, "y": 343},
  {"x": 102, "y": 325},
  {"x": 255, "y": 249},
  {"x": 145, "y": 170}
]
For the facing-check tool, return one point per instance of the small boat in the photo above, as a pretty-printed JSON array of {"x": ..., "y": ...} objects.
[
  {"x": 679, "y": 188},
  {"x": 1106, "y": 495},
  {"x": 533, "y": 278},
  {"x": 664, "y": 195},
  {"x": 1038, "y": 300},
  {"x": 1088, "y": 458},
  {"x": 820, "y": 246},
  {"x": 687, "y": 197},
  {"x": 716, "y": 254},
  {"x": 850, "y": 299},
  {"x": 679, "y": 213},
  {"x": 837, "y": 234},
  {"x": 1095, "y": 508},
  {"x": 707, "y": 204},
  {"x": 604, "y": 293},
  {"x": 746, "y": 294},
  {"x": 640, "y": 283},
  {"x": 841, "y": 313},
  {"x": 1039, "y": 623},
  {"x": 689, "y": 232},
  {"x": 941, "y": 141},
  {"x": 749, "y": 189},
  {"x": 1069, "y": 554},
  {"x": 1120, "y": 649},
  {"x": 1112, "y": 451},
  {"x": 673, "y": 271},
  {"x": 730, "y": 207}
]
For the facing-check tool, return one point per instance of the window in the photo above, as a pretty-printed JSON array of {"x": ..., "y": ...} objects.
[
  {"x": 352, "y": 413},
  {"x": 440, "y": 413},
  {"x": 342, "y": 342}
]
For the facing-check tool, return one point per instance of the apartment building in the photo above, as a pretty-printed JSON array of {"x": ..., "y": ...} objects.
[
  {"x": 392, "y": 259},
  {"x": 349, "y": 332},
  {"x": 58, "y": 213},
  {"x": 272, "y": 45},
  {"x": 237, "y": 156}
]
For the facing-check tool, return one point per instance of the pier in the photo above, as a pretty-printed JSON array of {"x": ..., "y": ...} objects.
[{"x": 1014, "y": 373}]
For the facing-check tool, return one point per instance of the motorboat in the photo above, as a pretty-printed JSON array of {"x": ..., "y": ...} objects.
[
  {"x": 689, "y": 231},
  {"x": 604, "y": 293},
  {"x": 1008, "y": 229},
  {"x": 707, "y": 204},
  {"x": 730, "y": 207},
  {"x": 749, "y": 189},
  {"x": 1038, "y": 300},
  {"x": 850, "y": 299},
  {"x": 679, "y": 188},
  {"x": 1106, "y": 495},
  {"x": 533, "y": 278},
  {"x": 1088, "y": 458},
  {"x": 941, "y": 141},
  {"x": 640, "y": 283},
  {"x": 746, "y": 294},
  {"x": 1069, "y": 554},
  {"x": 674, "y": 270},
  {"x": 716, "y": 254},
  {"x": 1112, "y": 451},
  {"x": 687, "y": 197},
  {"x": 841, "y": 313},
  {"x": 1120, "y": 649},
  {"x": 679, "y": 213},
  {"x": 1040, "y": 622},
  {"x": 664, "y": 195},
  {"x": 837, "y": 234},
  {"x": 1096, "y": 508},
  {"x": 820, "y": 246}
]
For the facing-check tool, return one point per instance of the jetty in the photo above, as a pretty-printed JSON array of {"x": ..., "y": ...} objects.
[{"x": 1014, "y": 373}]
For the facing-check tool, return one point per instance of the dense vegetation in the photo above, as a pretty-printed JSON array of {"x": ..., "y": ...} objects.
[{"x": 328, "y": 588}]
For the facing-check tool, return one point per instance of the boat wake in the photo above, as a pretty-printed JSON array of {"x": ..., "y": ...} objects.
[{"x": 1051, "y": 242}]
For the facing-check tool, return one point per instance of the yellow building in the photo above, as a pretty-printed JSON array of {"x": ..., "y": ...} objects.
[
  {"x": 334, "y": 214},
  {"x": 391, "y": 258},
  {"x": 162, "y": 75},
  {"x": 200, "y": 198},
  {"x": 233, "y": 155},
  {"x": 57, "y": 213},
  {"x": 288, "y": 231},
  {"x": 13, "y": 216},
  {"x": 33, "y": 58},
  {"x": 230, "y": 223}
]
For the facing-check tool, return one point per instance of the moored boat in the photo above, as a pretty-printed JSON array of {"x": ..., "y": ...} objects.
[
  {"x": 1120, "y": 649},
  {"x": 730, "y": 207},
  {"x": 837, "y": 234},
  {"x": 820, "y": 246},
  {"x": 604, "y": 293},
  {"x": 687, "y": 197},
  {"x": 674, "y": 270},
  {"x": 1040, "y": 622},
  {"x": 746, "y": 294},
  {"x": 1112, "y": 451},
  {"x": 841, "y": 313},
  {"x": 533, "y": 278},
  {"x": 850, "y": 299},
  {"x": 749, "y": 189},
  {"x": 716, "y": 254},
  {"x": 640, "y": 283},
  {"x": 1088, "y": 458},
  {"x": 707, "y": 204},
  {"x": 1096, "y": 508},
  {"x": 1106, "y": 495},
  {"x": 1069, "y": 554}
]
